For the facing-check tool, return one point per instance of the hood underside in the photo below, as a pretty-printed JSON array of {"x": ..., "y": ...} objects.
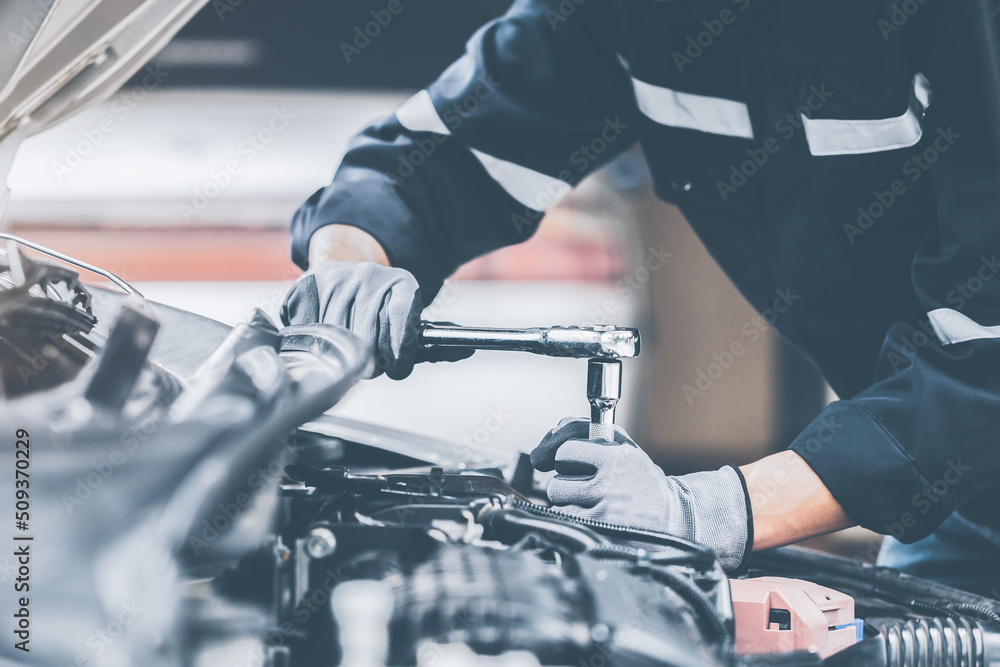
[{"x": 64, "y": 55}]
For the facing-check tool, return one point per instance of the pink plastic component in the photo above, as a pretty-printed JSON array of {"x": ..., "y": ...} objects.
[{"x": 778, "y": 615}]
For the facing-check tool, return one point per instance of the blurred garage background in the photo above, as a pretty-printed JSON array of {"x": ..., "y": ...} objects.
[{"x": 184, "y": 184}]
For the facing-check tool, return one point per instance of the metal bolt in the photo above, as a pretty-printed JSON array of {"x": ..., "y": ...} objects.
[
  {"x": 600, "y": 633},
  {"x": 321, "y": 543}
]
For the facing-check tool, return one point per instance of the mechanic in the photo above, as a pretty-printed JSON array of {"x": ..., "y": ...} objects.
[{"x": 846, "y": 152}]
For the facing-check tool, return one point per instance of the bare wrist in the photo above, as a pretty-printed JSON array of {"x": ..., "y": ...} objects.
[
  {"x": 789, "y": 501},
  {"x": 344, "y": 243}
]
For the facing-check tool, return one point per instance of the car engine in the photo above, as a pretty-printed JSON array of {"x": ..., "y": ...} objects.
[{"x": 192, "y": 504}]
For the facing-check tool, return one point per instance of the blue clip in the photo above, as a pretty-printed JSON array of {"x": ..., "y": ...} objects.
[{"x": 859, "y": 626}]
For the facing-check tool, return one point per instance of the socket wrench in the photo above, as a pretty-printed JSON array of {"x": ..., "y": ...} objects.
[{"x": 604, "y": 346}]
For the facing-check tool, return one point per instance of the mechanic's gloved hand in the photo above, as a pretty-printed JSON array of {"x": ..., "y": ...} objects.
[
  {"x": 379, "y": 304},
  {"x": 618, "y": 483}
]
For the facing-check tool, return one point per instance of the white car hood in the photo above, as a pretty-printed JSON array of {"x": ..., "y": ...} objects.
[{"x": 63, "y": 55}]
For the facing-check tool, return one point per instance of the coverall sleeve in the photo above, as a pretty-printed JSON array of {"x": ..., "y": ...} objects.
[
  {"x": 924, "y": 438},
  {"x": 538, "y": 101}
]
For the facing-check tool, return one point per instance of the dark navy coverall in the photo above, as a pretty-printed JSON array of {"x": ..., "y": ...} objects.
[{"x": 845, "y": 152}]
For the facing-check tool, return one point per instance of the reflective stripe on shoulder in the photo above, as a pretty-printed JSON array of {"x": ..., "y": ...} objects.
[
  {"x": 418, "y": 114},
  {"x": 714, "y": 115},
  {"x": 529, "y": 187},
  {"x": 952, "y": 326},
  {"x": 828, "y": 136}
]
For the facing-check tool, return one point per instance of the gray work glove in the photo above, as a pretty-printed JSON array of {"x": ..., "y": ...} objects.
[
  {"x": 616, "y": 482},
  {"x": 381, "y": 305}
]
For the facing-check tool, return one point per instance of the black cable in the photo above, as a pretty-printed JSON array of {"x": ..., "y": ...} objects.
[
  {"x": 655, "y": 564},
  {"x": 613, "y": 551},
  {"x": 980, "y": 612},
  {"x": 704, "y": 608},
  {"x": 701, "y": 556}
]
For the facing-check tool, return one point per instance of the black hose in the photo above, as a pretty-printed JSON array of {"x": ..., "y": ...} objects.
[
  {"x": 614, "y": 551},
  {"x": 654, "y": 564},
  {"x": 980, "y": 612},
  {"x": 714, "y": 626},
  {"x": 700, "y": 555},
  {"x": 510, "y": 524},
  {"x": 704, "y": 608}
]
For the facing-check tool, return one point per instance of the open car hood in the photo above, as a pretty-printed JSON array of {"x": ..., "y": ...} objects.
[{"x": 67, "y": 54}]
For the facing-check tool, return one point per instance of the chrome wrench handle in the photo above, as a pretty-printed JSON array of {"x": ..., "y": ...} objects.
[
  {"x": 581, "y": 342},
  {"x": 604, "y": 346}
]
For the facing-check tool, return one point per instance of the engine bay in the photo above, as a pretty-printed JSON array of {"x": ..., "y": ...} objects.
[
  {"x": 438, "y": 560},
  {"x": 253, "y": 529}
]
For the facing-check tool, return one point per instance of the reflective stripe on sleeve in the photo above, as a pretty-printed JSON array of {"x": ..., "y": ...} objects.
[
  {"x": 714, "y": 115},
  {"x": 952, "y": 326},
  {"x": 828, "y": 136},
  {"x": 529, "y": 187}
]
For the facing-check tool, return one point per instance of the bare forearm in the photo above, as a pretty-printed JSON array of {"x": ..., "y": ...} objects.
[
  {"x": 343, "y": 243},
  {"x": 789, "y": 502}
]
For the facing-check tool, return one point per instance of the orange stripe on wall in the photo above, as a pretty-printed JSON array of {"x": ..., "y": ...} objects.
[
  {"x": 175, "y": 254},
  {"x": 235, "y": 254}
]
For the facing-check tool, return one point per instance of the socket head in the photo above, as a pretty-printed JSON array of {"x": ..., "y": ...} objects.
[
  {"x": 604, "y": 379},
  {"x": 603, "y": 342}
]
